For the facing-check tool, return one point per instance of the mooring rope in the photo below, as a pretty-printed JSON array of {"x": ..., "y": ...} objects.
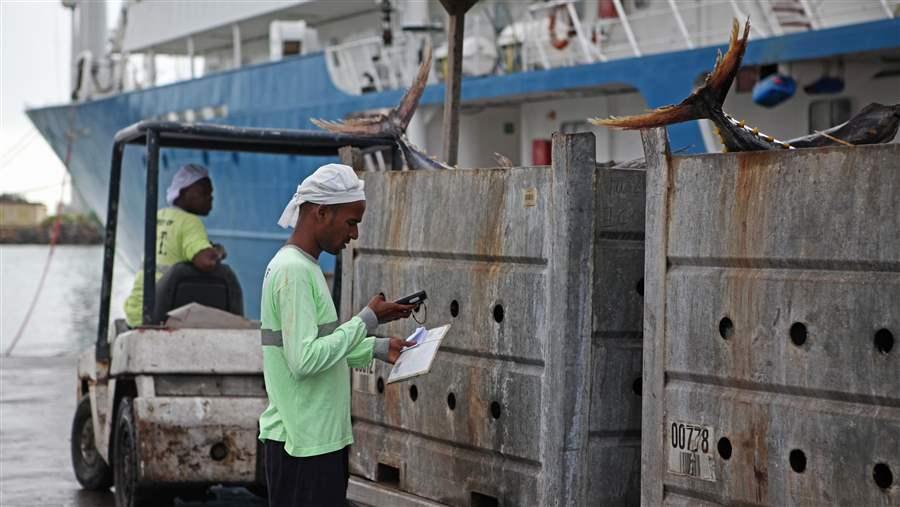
[{"x": 54, "y": 236}]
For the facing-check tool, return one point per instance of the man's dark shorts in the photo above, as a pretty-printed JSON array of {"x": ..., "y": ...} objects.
[{"x": 309, "y": 482}]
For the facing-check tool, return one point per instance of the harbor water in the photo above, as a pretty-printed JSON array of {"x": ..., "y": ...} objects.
[{"x": 64, "y": 320}]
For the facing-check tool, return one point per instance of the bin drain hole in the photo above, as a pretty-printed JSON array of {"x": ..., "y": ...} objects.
[
  {"x": 798, "y": 333},
  {"x": 724, "y": 447},
  {"x": 413, "y": 392},
  {"x": 380, "y": 385},
  {"x": 498, "y": 313},
  {"x": 451, "y": 401},
  {"x": 480, "y": 500},
  {"x": 218, "y": 452},
  {"x": 883, "y": 476},
  {"x": 495, "y": 410},
  {"x": 454, "y": 308},
  {"x": 726, "y": 328},
  {"x": 640, "y": 287},
  {"x": 387, "y": 474},
  {"x": 636, "y": 386},
  {"x": 884, "y": 340},
  {"x": 798, "y": 461}
]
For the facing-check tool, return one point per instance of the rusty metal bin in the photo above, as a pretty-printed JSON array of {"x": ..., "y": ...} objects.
[
  {"x": 534, "y": 398},
  {"x": 771, "y": 376}
]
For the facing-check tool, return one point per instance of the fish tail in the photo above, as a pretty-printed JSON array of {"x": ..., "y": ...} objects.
[
  {"x": 699, "y": 104},
  {"x": 410, "y": 101},
  {"x": 718, "y": 82},
  {"x": 665, "y": 115},
  {"x": 395, "y": 122}
]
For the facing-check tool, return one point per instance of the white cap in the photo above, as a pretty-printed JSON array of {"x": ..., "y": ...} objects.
[
  {"x": 330, "y": 184},
  {"x": 185, "y": 177}
]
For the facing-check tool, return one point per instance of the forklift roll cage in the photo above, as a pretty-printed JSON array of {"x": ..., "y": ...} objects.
[{"x": 158, "y": 134}]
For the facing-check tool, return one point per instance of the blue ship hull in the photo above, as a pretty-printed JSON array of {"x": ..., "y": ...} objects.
[{"x": 250, "y": 190}]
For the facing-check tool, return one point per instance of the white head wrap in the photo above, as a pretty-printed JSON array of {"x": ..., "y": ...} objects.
[
  {"x": 330, "y": 184},
  {"x": 185, "y": 177}
]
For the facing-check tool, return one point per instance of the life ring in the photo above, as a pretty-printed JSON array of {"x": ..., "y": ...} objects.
[{"x": 556, "y": 42}]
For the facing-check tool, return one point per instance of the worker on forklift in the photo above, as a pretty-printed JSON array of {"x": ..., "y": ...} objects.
[
  {"x": 308, "y": 353},
  {"x": 180, "y": 235}
]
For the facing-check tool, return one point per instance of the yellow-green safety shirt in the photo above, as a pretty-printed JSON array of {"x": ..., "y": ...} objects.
[{"x": 179, "y": 237}]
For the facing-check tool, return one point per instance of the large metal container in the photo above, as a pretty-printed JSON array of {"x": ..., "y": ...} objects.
[
  {"x": 534, "y": 398},
  {"x": 771, "y": 376}
]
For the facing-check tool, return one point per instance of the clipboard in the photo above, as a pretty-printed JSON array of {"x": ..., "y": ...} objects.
[{"x": 416, "y": 360}]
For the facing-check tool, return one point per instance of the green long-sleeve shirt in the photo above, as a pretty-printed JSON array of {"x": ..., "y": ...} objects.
[{"x": 307, "y": 357}]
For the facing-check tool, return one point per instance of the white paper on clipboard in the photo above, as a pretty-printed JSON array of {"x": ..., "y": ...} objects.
[{"x": 417, "y": 360}]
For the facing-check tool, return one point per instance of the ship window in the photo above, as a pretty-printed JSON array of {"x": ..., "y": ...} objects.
[
  {"x": 824, "y": 114},
  {"x": 290, "y": 47},
  {"x": 767, "y": 70}
]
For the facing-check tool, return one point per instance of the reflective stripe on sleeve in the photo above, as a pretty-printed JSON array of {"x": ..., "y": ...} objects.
[{"x": 274, "y": 338}]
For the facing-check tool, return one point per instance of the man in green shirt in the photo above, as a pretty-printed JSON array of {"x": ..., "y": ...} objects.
[
  {"x": 307, "y": 353},
  {"x": 180, "y": 235}
]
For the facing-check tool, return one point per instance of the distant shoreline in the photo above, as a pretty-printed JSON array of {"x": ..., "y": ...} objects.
[
  {"x": 69, "y": 234},
  {"x": 6, "y": 243}
]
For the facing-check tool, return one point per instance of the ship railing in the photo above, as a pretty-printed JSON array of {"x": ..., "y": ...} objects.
[
  {"x": 624, "y": 35},
  {"x": 634, "y": 32},
  {"x": 368, "y": 65},
  {"x": 578, "y": 47}
]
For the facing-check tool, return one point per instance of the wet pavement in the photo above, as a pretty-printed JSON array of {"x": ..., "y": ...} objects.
[{"x": 37, "y": 401}]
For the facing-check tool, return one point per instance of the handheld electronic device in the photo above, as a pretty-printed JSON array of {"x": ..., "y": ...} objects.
[{"x": 413, "y": 299}]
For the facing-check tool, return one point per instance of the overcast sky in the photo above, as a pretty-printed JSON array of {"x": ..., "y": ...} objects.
[{"x": 34, "y": 71}]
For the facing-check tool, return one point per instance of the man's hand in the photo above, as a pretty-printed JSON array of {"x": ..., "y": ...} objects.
[
  {"x": 387, "y": 311},
  {"x": 206, "y": 260},
  {"x": 395, "y": 346}
]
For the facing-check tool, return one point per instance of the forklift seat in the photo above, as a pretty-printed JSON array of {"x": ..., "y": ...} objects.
[{"x": 183, "y": 283}]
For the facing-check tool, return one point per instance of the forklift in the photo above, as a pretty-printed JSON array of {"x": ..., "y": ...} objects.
[{"x": 168, "y": 410}]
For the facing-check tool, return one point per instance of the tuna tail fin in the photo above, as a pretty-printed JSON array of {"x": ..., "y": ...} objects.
[
  {"x": 410, "y": 101},
  {"x": 711, "y": 94},
  {"x": 718, "y": 82},
  {"x": 395, "y": 122},
  {"x": 665, "y": 115}
]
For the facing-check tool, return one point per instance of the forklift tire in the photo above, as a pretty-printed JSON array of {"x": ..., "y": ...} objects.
[
  {"x": 125, "y": 459},
  {"x": 91, "y": 471}
]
